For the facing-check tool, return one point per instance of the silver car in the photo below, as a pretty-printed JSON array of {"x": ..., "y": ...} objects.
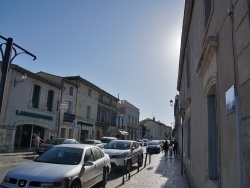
[
  {"x": 119, "y": 150},
  {"x": 94, "y": 142},
  {"x": 70, "y": 165}
]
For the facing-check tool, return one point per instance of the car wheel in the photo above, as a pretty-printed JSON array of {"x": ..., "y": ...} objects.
[
  {"x": 129, "y": 165},
  {"x": 75, "y": 184}
]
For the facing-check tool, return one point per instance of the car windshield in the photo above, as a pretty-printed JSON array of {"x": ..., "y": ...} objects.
[
  {"x": 118, "y": 145},
  {"x": 55, "y": 142},
  {"x": 61, "y": 155},
  {"x": 153, "y": 143},
  {"x": 88, "y": 142},
  {"x": 105, "y": 140}
]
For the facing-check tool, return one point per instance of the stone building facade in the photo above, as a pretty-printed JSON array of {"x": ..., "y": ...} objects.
[
  {"x": 29, "y": 107},
  {"x": 213, "y": 107},
  {"x": 155, "y": 130},
  {"x": 64, "y": 107},
  {"x": 128, "y": 120}
]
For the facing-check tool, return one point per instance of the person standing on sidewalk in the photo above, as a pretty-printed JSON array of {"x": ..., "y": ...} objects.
[
  {"x": 37, "y": 142},
  {"x": 175, "y": 148},
  {"x": 165, "y": 147}
]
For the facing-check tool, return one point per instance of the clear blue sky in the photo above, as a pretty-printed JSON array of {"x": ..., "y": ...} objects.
[{"x": 130, "y": 47}]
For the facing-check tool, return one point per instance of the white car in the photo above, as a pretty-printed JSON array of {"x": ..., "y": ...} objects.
[
  {"x": 145, "y": 142},
  {"x": 140, "y": 142},
  {"x": 119, "y": 150},
  {"x": 94, "y": 142},
  {"x": 65, "y": 165},
  {"x": 105, "y": 140}
]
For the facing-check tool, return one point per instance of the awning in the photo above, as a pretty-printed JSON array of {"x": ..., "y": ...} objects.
[{"x": 124, "y": 132}]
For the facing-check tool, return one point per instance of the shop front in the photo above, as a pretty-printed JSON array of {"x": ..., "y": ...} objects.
[
  {"x": 27, "y": 125},
  {"x": 87, "y": 131},
  {"x": 25, "y": 135}
]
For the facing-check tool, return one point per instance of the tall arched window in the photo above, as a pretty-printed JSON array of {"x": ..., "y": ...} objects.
[{"x": 212, "y": 134}]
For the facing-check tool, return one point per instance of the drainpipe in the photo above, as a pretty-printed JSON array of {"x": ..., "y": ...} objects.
[
  {"x": 182, "y": 114},
  {"x": 237, "y": 102}
]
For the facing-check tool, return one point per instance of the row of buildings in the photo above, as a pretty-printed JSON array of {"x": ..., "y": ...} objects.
[
  {"x": 64, "y": 107},
  {"x": 212, "y": 110}
]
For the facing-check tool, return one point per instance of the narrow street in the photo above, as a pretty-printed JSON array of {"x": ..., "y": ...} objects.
[{"x": 160, "y": 173}]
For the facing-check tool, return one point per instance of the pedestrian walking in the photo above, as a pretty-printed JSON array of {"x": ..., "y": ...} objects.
[
  {"x": 175, "y": 148},
  {"x": 37, "y": 141},
  {"x": 165, "y": 146}
]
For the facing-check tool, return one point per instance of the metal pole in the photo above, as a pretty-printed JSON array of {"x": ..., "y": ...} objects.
[
  {"x": 104, "y": 176},
  {"x": 5, "y": 68},
  {"x": 181, "y": 147},
  {"x": 145, "y": 163},
  {"x": 239, "y": 142}
]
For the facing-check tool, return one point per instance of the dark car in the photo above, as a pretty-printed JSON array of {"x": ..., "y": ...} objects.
[
  {"x": 50, "y": 143},
  {"x": 93, "y": 142},
  {"x": 154, "y": 146}
]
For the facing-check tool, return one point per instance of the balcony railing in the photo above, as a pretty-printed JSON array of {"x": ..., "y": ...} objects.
[{"x": 68, "y": 117}]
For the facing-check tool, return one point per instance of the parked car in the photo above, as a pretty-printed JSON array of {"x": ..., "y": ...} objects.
[
  {"x": 50, "y": 143},
  {"x": 154, "y": 146},
  {"x": 118, "y": 150},
  {"x": 65, "y": 165},
  {"x": 140, "y": 142},
  {"x": 106, "y": 140},
  {"x": 145, "y": 142},
  {"x": 94, "y": 142}
]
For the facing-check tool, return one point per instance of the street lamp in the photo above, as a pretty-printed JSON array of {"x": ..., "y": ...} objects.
[
  {"x": 7, "y": 59},
  {"x": 171, "y": 103},
  {"x": 23, "y": 77}
]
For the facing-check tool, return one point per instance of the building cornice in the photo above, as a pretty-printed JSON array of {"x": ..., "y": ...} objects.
[
  {"x": 208, "y": 50},
  {"x": 184, "y": 37}
]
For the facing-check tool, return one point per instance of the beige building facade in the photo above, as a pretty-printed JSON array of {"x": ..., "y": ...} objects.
[
  {"x": 128, "y": 120},
  {"x": 212, "y": 109},
  {"x": 29, "y": 107},
  {"x": 155, "y": 130}
]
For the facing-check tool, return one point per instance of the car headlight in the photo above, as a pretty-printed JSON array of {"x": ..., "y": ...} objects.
[
  {"x": 50, "y": 184},
  {"x": 121, "y": 156}
]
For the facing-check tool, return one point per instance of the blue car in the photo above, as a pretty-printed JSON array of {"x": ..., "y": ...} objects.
[{"x": 154, "y": 146}]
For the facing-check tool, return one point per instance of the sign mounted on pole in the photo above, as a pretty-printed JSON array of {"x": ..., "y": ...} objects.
[
  {"x": 74, "y": 123},
  {"x": 64, "y": 105},
  {"x": 230, "y": 101}
]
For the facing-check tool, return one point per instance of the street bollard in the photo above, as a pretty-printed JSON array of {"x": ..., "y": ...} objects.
[
  {"x": 145, "y": 162},
  {"x": 104, "y": 176},
  {"x": 125, "y": 171},
  {"x": 150, "y": 153},
  {"x": 138, "y": 162}
]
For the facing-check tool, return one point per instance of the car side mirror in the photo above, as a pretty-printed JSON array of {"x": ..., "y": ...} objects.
[{"x": 88, "y": 163}]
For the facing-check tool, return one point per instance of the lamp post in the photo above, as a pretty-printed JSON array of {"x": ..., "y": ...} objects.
[
  {"x": 7, "y": 60},
  {"x": 23, "y": 77},
  {"x": 171, "y": 103}
]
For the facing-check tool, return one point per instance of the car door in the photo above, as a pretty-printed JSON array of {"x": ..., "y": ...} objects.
[
  {"x": 100, "y": 162},
  {"x": 89, "y": 169},
  {"x": 134, "y": 150}
]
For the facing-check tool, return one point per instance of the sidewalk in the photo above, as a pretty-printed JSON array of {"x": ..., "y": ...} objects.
[{"x": 162, "y": 172}]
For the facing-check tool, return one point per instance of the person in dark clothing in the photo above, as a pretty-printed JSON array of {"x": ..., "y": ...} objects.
[
  {"x": 175, "y": 148},
  {"x": 165, "y": 147}
]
